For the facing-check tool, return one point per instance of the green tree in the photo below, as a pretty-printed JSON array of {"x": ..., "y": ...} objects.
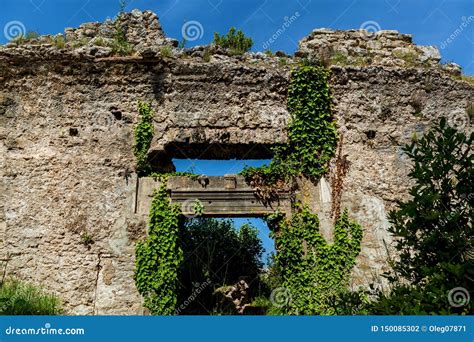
[
  {"x": 433, "y": 229},
  {"x": 218, "y": 254}
]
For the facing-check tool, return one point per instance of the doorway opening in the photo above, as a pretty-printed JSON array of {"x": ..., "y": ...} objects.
[{"x": 227, "y": 266}]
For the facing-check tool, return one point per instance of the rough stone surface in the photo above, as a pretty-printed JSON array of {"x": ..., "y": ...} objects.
[
  {"x": 66, "y": 148},
  {"x": 141, "y": 30},
  {"x": 361, "y": 47}
]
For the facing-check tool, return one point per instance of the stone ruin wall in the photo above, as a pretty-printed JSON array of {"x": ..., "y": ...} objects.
[{"x": 66, "y": 142}]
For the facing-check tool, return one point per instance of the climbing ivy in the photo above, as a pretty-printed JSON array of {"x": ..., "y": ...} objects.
[
  {"x": 312, "y": 133},
  {"x": 312, "y": 270},
  {"x": 143, "y": 137},
  {"x": 159, "y": 256}
]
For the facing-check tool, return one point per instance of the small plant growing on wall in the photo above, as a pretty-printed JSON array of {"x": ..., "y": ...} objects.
[
  {"x": 417, "y": 102},
  {"x": 234, "y": 41},
  {"x": 87, "y": 239},
  {"x": 120, "y": 45}
]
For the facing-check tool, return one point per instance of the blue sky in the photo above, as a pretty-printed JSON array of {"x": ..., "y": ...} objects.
[{"x": 430, "y": 21}]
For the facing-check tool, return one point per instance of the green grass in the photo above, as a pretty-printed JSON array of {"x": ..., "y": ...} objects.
[
  {"x": 59, "y": 42},
  {"x": 79, "y": 43},
  {"x": 20, "y": 298},
  {"x": 269, "y": 53},
  {"x": 362, "y": 61},
  {"x": 206, "y": 56},
  {"x": 410, "y": 58},
  {"x": 99, "y": 41},
  {"x": 121, "y": 48},
  {"x": 262, "y": 301}
]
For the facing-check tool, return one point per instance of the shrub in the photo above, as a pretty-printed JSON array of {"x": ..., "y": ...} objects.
[
  {"x": 120, "y": 45},
  {"x": 269, "y": 53},
  {"x": 234, "y": 41},
  {"x": 434, "y": 226},
  {"x": 206, "y": 56},
  {"x": 20, "y": 298},
  {"x": 433, "y": 230}
]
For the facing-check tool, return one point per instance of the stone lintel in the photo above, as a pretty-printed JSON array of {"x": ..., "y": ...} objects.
[{"x": 221, "y": 196}]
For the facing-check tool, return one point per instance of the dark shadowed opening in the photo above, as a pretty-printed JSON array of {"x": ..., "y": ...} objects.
[{"x": 187, "y": 150}]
